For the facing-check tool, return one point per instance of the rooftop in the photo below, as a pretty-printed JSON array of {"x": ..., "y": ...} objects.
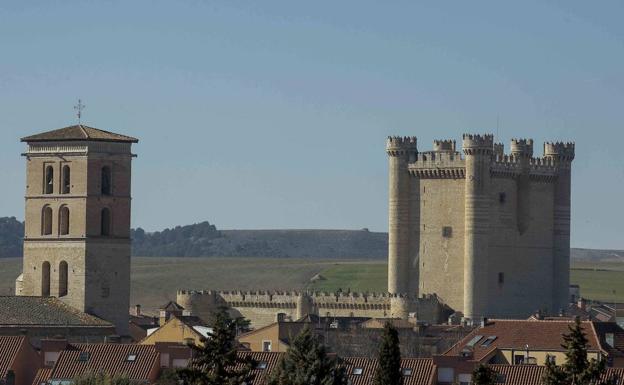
[
  {"x": 517, "y": 334},
  {"x": 10, "y": 346},
  {"x": 79, "y": 132},
  {"x": 21, "y": 311},
  {"x": 134, "y": 361}
]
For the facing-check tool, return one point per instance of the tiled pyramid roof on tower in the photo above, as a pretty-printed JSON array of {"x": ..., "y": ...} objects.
[{"x": 79, "y": 132}]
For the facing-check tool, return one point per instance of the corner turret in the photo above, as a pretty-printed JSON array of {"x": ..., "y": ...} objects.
[
  {"x": 401, "y": 145},
  {"x": 473, "y": 144},
  {"x": 559, "y": 150}
]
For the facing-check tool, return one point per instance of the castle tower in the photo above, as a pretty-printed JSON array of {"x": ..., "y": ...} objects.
[
  {"x": 522, "y": 152},
  {"x": 77, "y": 221},
  {"x": 402, "y": 229},
  {"x": 561, "y": 155},
  {"x": 478, "y": 152}
]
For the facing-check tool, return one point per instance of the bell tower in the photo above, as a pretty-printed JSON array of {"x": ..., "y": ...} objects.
[{"x": 77, "y": 221}]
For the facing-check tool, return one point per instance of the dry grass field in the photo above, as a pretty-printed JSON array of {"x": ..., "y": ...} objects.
[{"x": 155, "y": 280}]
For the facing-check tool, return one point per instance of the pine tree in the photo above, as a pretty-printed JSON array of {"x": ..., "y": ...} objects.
[
  {"x": 389, "y": 368},
  {"x": 217, "y": 362},
  {"x": 578, "y": 369},
  {"x": 483, "y": 375},
  {"x": 306, "y": 363}
]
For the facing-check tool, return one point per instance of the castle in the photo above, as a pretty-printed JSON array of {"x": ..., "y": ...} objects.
[
  {"x": 480, "y": 232},
  {"x": 488, "y": 232},
  {"x": 77, "y": 222}
]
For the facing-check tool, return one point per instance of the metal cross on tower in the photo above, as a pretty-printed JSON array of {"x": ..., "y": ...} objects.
[{"x": 79, "y": 107}]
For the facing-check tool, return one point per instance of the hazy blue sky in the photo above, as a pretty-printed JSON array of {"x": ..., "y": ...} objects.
[{"x": 271, "y": 114}]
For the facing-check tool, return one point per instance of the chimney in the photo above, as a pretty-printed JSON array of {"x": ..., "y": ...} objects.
[
  {"x": 137, "y": 310},
  {"x": 581, "y": 303},
  {"x": 484, "y": 322}
]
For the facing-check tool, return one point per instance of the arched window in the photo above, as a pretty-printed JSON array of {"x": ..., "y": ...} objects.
[
  {"x": 46, "y": 221},
  {"x": 66, "y": 186},
  {"x": 45, "y": 279},
  {"x": 105, "y": 222},
  {"x": 106, "y": 181},
  {"x": 62, "y": 279},
  {"x": 64, "y": 220},
  {"x": 48, "y": 187}
]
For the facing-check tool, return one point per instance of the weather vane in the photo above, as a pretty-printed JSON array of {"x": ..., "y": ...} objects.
[{"x": 79, "y": 107}]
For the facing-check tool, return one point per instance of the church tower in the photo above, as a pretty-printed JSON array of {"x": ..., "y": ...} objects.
[{"x": 77, "y": 221}]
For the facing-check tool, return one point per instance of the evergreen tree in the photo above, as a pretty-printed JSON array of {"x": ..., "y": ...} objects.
[
  {"x": 389, "y": 368},
  {"x": 101, "y": 378},
  {"x": 306, "y": 363},
  {"x": 578, "y": 369},
  {"x": 483, "y": 375},
  {"x": 217, "y": 362}
]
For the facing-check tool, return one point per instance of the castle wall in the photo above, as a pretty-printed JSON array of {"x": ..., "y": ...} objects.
[
  {"x": 441, "y": 258},
  {"x": 524, "y": 259}
]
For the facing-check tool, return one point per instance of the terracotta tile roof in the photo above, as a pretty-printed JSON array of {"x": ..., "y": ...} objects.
[
  {"x": 516, "y": 334},
  {"x": 604, "y": 328},
  {"x": 79, "y": 359},
  {"x": 532, "y": 374},
  {"x": 422, "y": 370},
  {"x": 519, "y": 374},
  {"x": 265, "y": 360},
  {"x": 43, "y": 311},
  {"x": 9, "y": 348},
  {"x": 79, "y": 132},
  {"x": 42, "y": 376}
]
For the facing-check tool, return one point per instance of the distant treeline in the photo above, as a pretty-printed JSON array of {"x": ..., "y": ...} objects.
[
  {"x": 205, "y": 240},
  {"x": 11, "y": 234}
]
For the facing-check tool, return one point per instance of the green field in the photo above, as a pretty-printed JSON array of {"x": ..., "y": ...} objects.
[
  {"x": 155, "y": 280},
  {"x": 357, "y": 276}
]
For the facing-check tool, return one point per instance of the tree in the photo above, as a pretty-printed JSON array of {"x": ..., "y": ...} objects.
[
  {"x": 578, "y": 369},
  {"x": 101, "y": 378},
  {"x": 217, "y": 361},
  {"x": 483, "y": 375},
  {"x": 306, "y": 363},
  {"x": 389, "y": 369}
]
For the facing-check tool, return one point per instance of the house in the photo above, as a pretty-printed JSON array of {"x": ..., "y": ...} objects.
[
  {"x": 45, "y": 317},
  {"x": 179, "y": 329},
  {"x": 18, "y": 360},
  {"x": 525, "y": 342},
  {"x": 275, "y": 337},
  {"x": 515, "y": 342}
]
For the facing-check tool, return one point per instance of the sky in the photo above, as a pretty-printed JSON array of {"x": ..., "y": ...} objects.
[{"x": 273, "y": 114}]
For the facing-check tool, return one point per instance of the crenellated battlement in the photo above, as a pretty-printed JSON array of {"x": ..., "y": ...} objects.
[
  {"x": 444, "y": 145},
  {"x": 522, "y": 147},
  {"x": 401, "y": 145},
  {"x": 499, "y": 149},
  {"x": 560, "y": 150},
  {"x": 478, "y": 144}
]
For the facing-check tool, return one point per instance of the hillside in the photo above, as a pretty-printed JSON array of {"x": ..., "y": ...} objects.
[{"x": 205, "y": 240}]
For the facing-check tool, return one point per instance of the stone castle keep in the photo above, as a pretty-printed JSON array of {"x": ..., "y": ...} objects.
[
  {"x": 488, "y": 232},
  {"x": 478, "y": 231},
  {"x": 77, "y": 222}
]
